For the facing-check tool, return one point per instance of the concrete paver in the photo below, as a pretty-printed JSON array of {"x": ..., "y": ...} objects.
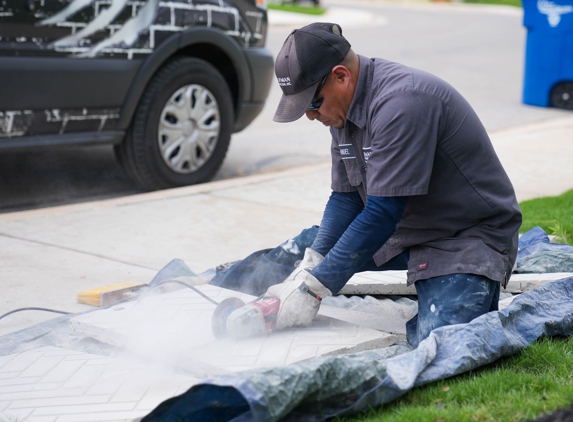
[
  {"x": 153, "y": 328},
  {"x": 66, "y": 385},
  {"x": 394, "y": 283},
  {"x": 519, "y": 283}
]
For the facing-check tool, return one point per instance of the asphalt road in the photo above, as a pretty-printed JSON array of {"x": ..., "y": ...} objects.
[{"x": 478, "y": 49}]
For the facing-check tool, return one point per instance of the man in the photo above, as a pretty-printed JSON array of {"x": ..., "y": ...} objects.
[{"x": 416, "y": 184}]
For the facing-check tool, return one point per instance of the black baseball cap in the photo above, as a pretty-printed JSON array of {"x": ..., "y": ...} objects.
[{"x": 307, "y": 55}]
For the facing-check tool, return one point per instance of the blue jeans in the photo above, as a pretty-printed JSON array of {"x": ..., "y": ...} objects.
[{"x": 448, "y": 300}]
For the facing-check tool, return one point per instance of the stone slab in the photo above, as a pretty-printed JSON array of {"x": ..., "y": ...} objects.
[
  {"x": 385, "y": 322},
  {"x": 55, "y": 384},
  {"x": 394, "y": 283},
  {"x": 504, "y": 303},
  {"x": 378, "y": 283},
  {"x": 176, "y": 328},
  {"x": 519, "y": 283}
]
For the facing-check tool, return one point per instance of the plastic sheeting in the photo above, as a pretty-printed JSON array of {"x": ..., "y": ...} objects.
[
  {"x": 538, "y": 255},
  {"x": 264, "y": 268},
  {"x": 320, "y": 388}
]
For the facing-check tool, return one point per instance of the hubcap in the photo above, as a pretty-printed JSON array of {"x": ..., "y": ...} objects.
[{"x": 189, "y": 128}]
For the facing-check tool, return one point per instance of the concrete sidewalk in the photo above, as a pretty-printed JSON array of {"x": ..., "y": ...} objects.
[{"x": 51, "y": 254}]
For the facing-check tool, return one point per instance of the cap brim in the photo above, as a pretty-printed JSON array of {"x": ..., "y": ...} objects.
[{"x": 292, "y": 107}]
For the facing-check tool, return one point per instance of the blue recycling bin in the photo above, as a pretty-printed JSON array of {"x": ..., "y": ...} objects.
[{"x": 549, "y": 53}]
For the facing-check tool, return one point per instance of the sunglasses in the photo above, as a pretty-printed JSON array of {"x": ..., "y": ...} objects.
[{"x": 317, "y": 102}]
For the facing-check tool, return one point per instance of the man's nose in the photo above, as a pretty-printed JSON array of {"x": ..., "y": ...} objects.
[{"x": 312, "y": 114}]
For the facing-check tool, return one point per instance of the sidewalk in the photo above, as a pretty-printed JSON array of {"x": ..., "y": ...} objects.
[
  {"x": 346, "y": 17},
  {"x": 339, "y": 12}
]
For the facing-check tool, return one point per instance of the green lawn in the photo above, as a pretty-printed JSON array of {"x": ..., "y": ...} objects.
[
  {"x": 291, "y": 7},
  {"x": 516, "y": 3},
  {"x": 317, "y": 10},
  {"x": 516, "y": 388},
  {"x": 548, "y": 213}
]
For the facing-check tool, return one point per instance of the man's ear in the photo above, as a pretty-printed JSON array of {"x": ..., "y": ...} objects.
[{"x": 341, "y": 74}]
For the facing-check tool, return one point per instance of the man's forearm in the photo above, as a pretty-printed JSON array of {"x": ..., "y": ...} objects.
[
  {"x": 340, "y": 211},
  {"x": 364, "y": 236}
]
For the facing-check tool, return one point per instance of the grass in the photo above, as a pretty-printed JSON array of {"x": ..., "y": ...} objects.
[
  {"x": 524, "y": 386},
  {"x": 516, "y": 388},
  {"x": 291, "y": 7},
  {"x": 317, "y": 10},
  {"x": 553, "y": 214},
  {"x": 516, "y": 3}
]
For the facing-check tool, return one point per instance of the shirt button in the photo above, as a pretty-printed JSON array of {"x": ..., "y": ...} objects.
[
  {"x": 353, "y": 135},
  {"x": 363, "y": 168}
]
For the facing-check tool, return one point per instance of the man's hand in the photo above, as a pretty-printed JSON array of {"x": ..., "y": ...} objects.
[
  {"x": 300, "y": 294},
  {"x": 310, "y": 260}
]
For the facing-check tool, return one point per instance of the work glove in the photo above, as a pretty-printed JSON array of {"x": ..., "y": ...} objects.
[
  {"x": 300, "y": 294},
  {"x": 310, "y": 260}
]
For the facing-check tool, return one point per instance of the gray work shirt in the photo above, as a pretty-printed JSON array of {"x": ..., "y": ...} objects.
[{"x": 409, "y": 133}]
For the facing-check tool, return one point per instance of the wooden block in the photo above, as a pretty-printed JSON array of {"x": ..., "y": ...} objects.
[{"x": 108, "y": 295}]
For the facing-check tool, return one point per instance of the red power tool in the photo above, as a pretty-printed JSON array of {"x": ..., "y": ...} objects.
[{"x": 234, "y": 318}]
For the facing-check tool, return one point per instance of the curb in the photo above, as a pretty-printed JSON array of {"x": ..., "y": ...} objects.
[
  {"x": 557, "y": 122},
  {"x": 204, "y": 188}
]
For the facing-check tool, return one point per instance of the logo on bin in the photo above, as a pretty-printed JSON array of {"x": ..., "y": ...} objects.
[{"x": 553, "y": 11}]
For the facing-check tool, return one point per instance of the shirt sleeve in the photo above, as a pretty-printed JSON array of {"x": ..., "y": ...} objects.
[
  {"x": 340, "y": 211},
  {"x": 368, "y": 232},
  {"x": 404, "y": 131}
]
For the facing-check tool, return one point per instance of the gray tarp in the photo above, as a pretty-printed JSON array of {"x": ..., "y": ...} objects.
[
  {"x": 538, "y": 255},
  {"x": 319, "y": 388}
]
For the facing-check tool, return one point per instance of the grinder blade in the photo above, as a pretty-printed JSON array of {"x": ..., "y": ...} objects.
[{"x": 222, "y": 311}]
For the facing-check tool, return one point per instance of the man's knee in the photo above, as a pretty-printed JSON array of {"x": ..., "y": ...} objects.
[{"x": 449, "y": 300}]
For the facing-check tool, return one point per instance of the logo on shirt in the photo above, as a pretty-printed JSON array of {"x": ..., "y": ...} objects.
[
  {"x": 366, "y": 151},
  {"x": 284, "y": 81},
  {"x": 347, "y": 151}
]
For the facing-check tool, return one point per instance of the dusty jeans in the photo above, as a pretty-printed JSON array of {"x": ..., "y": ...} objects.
[{"x": 450, "y": 299}]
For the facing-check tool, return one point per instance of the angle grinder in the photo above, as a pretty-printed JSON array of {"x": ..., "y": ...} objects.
[{"x": 237, "y": 319}]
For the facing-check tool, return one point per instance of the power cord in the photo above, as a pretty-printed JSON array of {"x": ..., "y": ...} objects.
[
  {"x": 199, "y": 292},
  {"x": 129, "y": 299},
  {"x": 34, "y": 309}
]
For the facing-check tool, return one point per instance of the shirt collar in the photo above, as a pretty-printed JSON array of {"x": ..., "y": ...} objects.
[{"x": 358, "y": 111}]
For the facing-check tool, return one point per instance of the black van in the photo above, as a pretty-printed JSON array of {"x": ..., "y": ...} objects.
[{"x": 165, "y": 82}]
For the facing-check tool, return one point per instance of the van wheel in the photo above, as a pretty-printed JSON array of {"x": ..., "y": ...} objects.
[{"x": 182, "y": 127}]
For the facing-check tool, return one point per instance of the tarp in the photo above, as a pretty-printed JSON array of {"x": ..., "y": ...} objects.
[
  {"x": 319, "y": 388},
  {"x": 265, "y": 268},
  {"x": 538, "y": 255}
]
